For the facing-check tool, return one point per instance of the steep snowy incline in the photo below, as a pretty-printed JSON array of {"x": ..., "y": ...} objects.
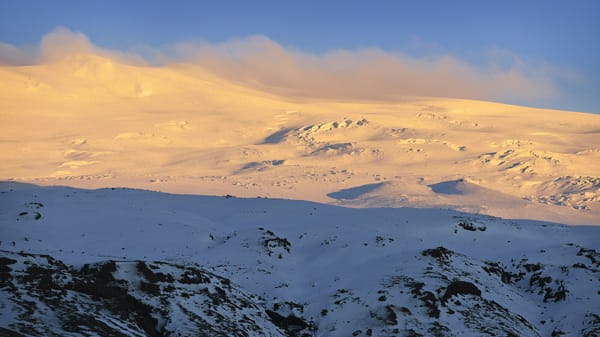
[{"x": 314, "y": 269}]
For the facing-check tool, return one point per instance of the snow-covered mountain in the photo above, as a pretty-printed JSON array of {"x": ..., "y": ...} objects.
[
  {"x": 90, "y": 121},
  {"x": 394, "y": 218},
  {"x": 123, "y": 262}
]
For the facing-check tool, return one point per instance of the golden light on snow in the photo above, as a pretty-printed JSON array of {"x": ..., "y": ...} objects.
[{"x": 87, "y": 119}]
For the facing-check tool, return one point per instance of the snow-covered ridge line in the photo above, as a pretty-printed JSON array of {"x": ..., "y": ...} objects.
[{"x": 307, "y": 268}]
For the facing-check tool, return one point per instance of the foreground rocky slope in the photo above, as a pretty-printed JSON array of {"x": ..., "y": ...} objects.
[
  {"x": 137, "y": 263},
  {"x": 42, "y": 296}
]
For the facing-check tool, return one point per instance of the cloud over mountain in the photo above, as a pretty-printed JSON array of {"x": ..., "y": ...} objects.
[{"x": 368, "y": 73}]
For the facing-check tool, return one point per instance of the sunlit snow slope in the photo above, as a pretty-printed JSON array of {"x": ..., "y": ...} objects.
[{"x": 87, "y": 121}]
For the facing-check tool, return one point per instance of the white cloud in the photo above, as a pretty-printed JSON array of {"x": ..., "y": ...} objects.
[{"x": 342, "y": 74}]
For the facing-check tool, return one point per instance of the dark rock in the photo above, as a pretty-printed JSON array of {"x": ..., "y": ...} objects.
[
  {"x": 390, "y": 316},
  {"x": 498, "y": 269},
  {"x": 9, "y": 333},
  {"x": 150, "y": 288},
  {"x": 152, "y": 276},
  {"x": 291, "y": 324},
  {"x": 460, "y": 288},
  {"x": 440, "y": 253},
  {"x": 560, "y": 294},
  {"x": 532, "y": 267},
  {"x": 193, "y": 276}
]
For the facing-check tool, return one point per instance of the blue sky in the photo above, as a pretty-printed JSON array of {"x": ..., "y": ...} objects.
[{"x": 562, "y": 35}]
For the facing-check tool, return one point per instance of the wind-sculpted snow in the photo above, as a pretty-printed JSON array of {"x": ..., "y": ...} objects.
[{"x": 139, "y": 263}]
